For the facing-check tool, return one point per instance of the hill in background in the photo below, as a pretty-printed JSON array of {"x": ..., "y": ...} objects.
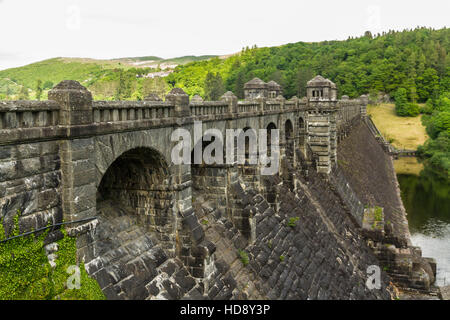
[
  {"x": 416, "y": 60},
  {"x": 100, "y": 76}
]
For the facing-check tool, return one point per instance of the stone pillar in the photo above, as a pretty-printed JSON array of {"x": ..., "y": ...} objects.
[
  {"x": 77, "y": 162},
  {"x": 75, "y": 103},
  {"x": 181, "y": 101},
  {"x": 364, "y": 101},
  {"x": 232, "y": 101}
]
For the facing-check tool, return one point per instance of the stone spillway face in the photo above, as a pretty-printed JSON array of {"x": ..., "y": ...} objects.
[{"x": 129, "y": 262}]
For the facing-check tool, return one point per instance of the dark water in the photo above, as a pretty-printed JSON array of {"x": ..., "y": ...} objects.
[{"x": 427, "y": 202}]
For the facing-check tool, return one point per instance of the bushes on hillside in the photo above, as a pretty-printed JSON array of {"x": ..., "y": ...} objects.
[
  {"x": 435, "y": 153},
  {"x": 403, "y": 108}
]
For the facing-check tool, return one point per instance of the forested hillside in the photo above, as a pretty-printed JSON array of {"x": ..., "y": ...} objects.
[{"x": 416, "y": 60}]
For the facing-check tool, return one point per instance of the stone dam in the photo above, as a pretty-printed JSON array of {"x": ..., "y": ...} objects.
[{"x": 147, "y": 228}]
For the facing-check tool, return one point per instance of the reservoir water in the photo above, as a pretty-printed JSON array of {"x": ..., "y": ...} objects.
[{"x": 427, "y": 202}]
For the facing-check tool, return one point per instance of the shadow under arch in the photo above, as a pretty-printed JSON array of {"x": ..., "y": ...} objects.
[{"x": 135, "y": 233}]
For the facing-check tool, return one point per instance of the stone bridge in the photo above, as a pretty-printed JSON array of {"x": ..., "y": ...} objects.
[{"x": 104, "y": 167}]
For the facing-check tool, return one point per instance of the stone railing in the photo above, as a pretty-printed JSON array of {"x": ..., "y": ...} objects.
[
  {"x": 248, "y": 106},
  {"x": 347, "y": 110},
  {"x": 28, "y": 114},
  {"x": 208, "y": 108},
  {"x": 115, "y": 111},
  {"x": 272, "y": 106}
]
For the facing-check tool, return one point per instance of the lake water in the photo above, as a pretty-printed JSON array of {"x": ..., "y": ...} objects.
[{"x": 427, "y": 202}]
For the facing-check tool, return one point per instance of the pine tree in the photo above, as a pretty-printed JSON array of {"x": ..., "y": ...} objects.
[
  {"x": 304, "y": 74},
  {"x": 213, "y": 86}
]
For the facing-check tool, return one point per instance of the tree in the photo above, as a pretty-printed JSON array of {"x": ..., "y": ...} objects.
[
  {"x": 213, "y": 86},
  {"x": 239, "y": 82},
  {"x": 401, "y": 100},
  {"x": 38, "y": 89},
  {"x": 23, "y": 93},
  {"x": 47, "y": 85},
  {"x": 304, "y": 74}
]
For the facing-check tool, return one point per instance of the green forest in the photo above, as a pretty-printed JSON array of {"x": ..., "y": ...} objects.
[{"x": 416, "y": 60}]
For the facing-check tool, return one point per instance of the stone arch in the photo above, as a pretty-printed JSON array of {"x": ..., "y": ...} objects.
[
  {"x": 271, "y": 126},
  {"x": 301, "y": 124},
  {"x": 108, "y": 148},
  {"x": 139, "y": 182},
  {"x": 135, "y": 233},
  {"x": 289, "y": 145},
  {"x": 288, "y": 130}
]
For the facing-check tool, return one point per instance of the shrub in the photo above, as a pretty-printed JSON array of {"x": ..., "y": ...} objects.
[
  {"x": 293, "y": 222},
  {"x": 244, "y": 257}
]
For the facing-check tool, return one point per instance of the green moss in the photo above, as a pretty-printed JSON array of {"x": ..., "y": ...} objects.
[
  {"x": 244, "y": 257},
  {"x": 293, "y": 222},
  {"x": 205, "y": 222},
  {"x": 282, "y": 258},
  {"x": 378, "y": 214},
  {"x": 25, "y": 273}
]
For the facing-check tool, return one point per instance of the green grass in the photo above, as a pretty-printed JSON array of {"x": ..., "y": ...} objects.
[
  {"x": 292, "y": 222},
  {"x": 402, "y": 132}
]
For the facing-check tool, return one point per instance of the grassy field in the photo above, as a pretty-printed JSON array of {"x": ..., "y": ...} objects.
[{"x": 402, "y": 132}]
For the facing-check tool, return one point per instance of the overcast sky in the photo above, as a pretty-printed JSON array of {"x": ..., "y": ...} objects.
[{"x": 33, "y": 30}]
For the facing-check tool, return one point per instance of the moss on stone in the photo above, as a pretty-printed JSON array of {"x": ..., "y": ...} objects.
[{"x": 26, "y": 274}]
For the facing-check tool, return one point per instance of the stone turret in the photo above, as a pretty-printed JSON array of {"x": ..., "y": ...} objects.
[
  {"x": 255, "y": 88},
  {"x": 320, "y": 88},
  {"x": 322, "y": 104},
  {"x": 273, "y": 89}
]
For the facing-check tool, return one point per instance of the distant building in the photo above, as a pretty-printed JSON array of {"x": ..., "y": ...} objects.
[{"x": 257, "y": 88}]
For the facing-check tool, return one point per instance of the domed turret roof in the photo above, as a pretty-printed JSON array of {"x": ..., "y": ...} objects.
[
  {"x": 255, "y": 83},
  {"x": 319, "y": 81},
  {"x": 273, "y": 85}
]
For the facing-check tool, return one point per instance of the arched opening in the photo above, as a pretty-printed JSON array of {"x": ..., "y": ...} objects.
[
  {"x": 138, "y": 180},
  {"x": 289, "y": 138},
  {"x": 248, "y": 168},
  {"x": 268, "y": 187},
  {"x": 271, "y": 126},
  {"x": 301, "y": 124},
  {"x": 135, "y": 233},
  {"x": 289, "y": 153}
]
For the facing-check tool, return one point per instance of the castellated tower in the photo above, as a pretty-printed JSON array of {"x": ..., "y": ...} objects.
[{"x": 322, "y": 107}]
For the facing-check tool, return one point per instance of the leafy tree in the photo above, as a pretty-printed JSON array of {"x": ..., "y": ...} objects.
[
  {"x": 38, "y": 89},
  {"x": 23, "y": 93},
  {"x": 435, "y": 153},
  {"x": 213, "y": 86},
  {"x": 401, "y": 100},
  {"x": 47, "y": 85},
  {"x": 304, "y": 74}
]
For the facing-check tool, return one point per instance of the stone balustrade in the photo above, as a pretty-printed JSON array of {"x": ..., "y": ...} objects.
[
  {"x": 208, "y": 108},
  {"x": 115, "y": 111},
  {"x": 28, "y": 114}
]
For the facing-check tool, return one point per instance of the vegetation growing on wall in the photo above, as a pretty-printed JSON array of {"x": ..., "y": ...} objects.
[{"x": 25, "y": 272}]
